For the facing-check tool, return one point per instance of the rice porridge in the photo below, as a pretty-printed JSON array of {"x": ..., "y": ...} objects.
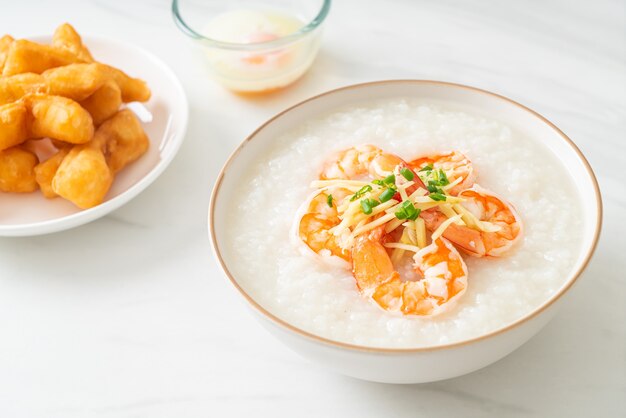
[{"x": 323, "y": 298}]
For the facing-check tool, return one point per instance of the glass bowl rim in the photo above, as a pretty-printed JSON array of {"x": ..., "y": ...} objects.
[{"x": 309, "y": 27}]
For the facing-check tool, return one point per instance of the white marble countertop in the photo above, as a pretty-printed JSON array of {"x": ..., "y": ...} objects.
[{"x": 130, "y": 316}]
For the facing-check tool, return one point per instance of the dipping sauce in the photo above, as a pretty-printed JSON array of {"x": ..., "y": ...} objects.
[{"x": 263, "y": 68}]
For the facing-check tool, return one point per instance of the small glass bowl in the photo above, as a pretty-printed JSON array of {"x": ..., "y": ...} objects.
[{"x": 255, "y": 67}]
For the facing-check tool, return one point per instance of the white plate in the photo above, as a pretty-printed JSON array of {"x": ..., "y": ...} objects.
[{"x": 33, "y": 214}]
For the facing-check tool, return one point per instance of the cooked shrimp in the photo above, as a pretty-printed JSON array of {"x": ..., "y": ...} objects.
[
  {"x": 320, "y": 216},
  {"x": 359, "y": 161},
  {"x": 491, "y": 227},
  {"x": 443, "y": 272},
  {"x": 457, "y": 166}
]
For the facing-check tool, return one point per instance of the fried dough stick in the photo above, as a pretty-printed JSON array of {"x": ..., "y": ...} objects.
[
  {"x": 24, "y": 56},
  {"x": 17, "y": 86},
  {"x": 5, "y": 43},
  {"x": 83, "y": 177},
  {"x": 45, "y": 172},
  {"x": 66, "y": 37},
  {"x": 59, "y": 118},
  {"x": 13, "y": 125},
  {"x": 104, "y": 102},
  {"x": 125, "y": 140},
  {"x": 75, "y": 81},
  {"x": 17, "y": 173}
]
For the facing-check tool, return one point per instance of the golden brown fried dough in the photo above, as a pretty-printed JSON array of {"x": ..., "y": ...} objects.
[
  {"x": 66, "y": 37},
  {"x": 5, "y": 43},
  {"x": 59, "y": 118},
  {"x": 104, "y": 102},
  {"x": 45, "y": 172},
  {"x": 16, "y": 86},
  {"x": 84, "y": 178},
  {"x": 133, "y": 89},
  {"x": 124, "y": 138},
  {"x": 30, "y": 57},
  {"x": 13, "y": 124},
  {"x": 75, "y": 81},
  {"x": 17, "y": 173},
  {"x": 58, "y": 92}
]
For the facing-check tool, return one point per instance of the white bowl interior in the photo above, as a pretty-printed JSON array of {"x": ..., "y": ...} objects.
[
  {"x": 32, "y": 213},
  {"x": 517, "y": 117}
]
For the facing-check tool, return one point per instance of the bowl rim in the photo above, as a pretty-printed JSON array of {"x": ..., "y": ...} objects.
[
  {"x": 255, "y": 46},
  {"x": 387, "y": 350},
  {"x": 86, "y": 216}
]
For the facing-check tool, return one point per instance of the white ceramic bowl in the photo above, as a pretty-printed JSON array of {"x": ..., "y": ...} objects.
[
  {"x": 419, "y": 364},
  {"x": 33, "y": 214}
]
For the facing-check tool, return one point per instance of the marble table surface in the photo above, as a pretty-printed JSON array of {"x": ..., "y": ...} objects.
[{"x": 129, "y": 316}]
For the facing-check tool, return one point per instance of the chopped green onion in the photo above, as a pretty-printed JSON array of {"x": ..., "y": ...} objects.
[
  {"x": 329, "y": 200},
  {"x": 367, "y": 209},
  {"x": 361, "y": 192},
  {"x": 387, "y": 195},
  {"x": 368, "y": 204},
  {"x": 407, "y": 174},
  {"x": 400, "y": 214},
  {"x": 443, "y": 179},
  {"x": 435, "y": 180},
  {"x": 438, "y": 197},
  {"x": 427, "y": 167},
  {"x": 407, "y": 211},
  {"x": 378, "y": 182},
  {"x": 433, "y": 186},
  {"x": 391, "y": 179},
  {"x": 415, "y": 215}
]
